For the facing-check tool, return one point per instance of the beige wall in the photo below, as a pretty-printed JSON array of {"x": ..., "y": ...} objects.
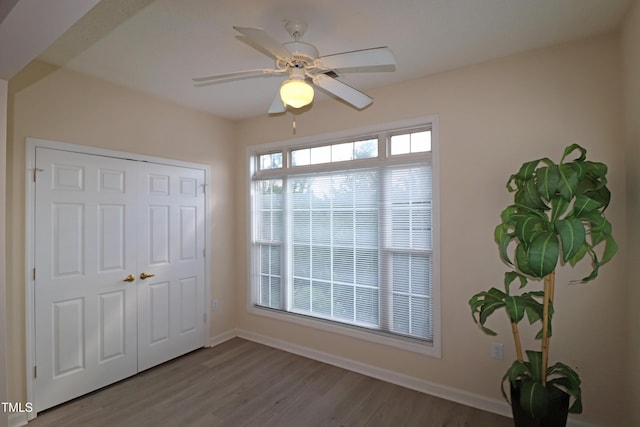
[
  {"x": 69, "y": 107},
  {"x": 631, "y": 71},
  {"x": 493, "y": 117}
]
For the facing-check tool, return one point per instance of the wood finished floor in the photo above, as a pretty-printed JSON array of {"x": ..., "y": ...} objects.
[{"x": 242, "y": 383}]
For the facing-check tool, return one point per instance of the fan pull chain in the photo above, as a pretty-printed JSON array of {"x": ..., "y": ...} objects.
[{"x": 294, "y": 123}]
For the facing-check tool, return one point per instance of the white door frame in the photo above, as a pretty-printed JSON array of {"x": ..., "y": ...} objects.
[{"x": 32, "y": 144}]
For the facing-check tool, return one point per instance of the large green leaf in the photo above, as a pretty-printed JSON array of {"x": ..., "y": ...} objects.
[
  {"x": 525, "y": 173},
  {"x": 595, "y": 262},
  {"x": 596, "y": 169},
  {"x": 503, "y": 238},
  {"x": 580, "y": 169},
  {"x": 582, "y": 251},
  {"x": 548, "y": 179},
  {"x": 559, "y": 207},
  {"x": 508, "y": 212},
  {"x": 516, "y": 372},
  {"x": 527, "y": 169},
  {"x": 610, "y": 249},
  {"x": 534, "y": 398},
  {"x": 534, "y": 364},
  {"x": 515, "y": 306},
  {"x": 599, "y": 230},
  {"x": 568, "y": 387},
  {"x": 527, "y": 210},
  {"x": 574, "y": 147},
  {"x": 599, "y": 226},
  {"x": 596, "y": 189},
  {"x": 510, "y": 277},
  {"x": 584, "y": 205},
  {"x": 534, "y": 309},
  {"x": 563, "y": 377},
  {"x": 572, "y": 236},
  {"x": 568, "y": 182},
  {"x": 522, "y": 260},
  {"x": 484, "y": 304},
  {"x": 530, "y": 196},
  {"x": 540, "y": 333},
  {"x": 529, "y": 226},
  {"x": 543, "y": 253},
  {"x": 562, "y": 370}
]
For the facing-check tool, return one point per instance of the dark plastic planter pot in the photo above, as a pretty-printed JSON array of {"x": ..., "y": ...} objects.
[{"x": 556, "y": 417}]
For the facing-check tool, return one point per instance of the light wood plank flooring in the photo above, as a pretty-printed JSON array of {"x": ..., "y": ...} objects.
[{"x": 242, "y": 383}]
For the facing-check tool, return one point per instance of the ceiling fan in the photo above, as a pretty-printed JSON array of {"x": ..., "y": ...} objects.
[{"x": 304, "y": 67}]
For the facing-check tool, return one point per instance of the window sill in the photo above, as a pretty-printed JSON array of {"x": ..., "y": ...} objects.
[{"x": 423, "y": 347}]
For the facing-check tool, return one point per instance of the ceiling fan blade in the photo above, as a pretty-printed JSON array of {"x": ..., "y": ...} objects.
[
  {"x": 263, "y": 40},
  {"x": 221, "y": 78},
  {"x": 277, "y": 106},
  {"x": 342, "y": 91},
  {"x": 374, "y": 57}
]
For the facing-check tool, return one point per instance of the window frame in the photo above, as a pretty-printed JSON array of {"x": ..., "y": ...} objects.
[{"x": 383, "y": 133}]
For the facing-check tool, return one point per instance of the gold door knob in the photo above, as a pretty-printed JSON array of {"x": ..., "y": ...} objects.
[
  {"x": 144, "y": 275},
  {"x": 129, "y": 278}
]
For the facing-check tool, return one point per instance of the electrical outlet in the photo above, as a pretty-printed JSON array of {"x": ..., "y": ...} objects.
[
  {"x": 214, "y": 304},
  {"x": 497, "y": 350}
]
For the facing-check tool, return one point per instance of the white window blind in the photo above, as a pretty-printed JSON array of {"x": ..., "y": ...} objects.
[
  {"x": 335, "y": 250},
  {"x": 352, "y": 245}
]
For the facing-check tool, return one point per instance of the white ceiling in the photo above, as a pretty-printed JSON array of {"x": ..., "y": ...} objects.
[{"x": 158, "y": 46}]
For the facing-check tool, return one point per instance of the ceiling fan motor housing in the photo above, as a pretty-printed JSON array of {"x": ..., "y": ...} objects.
[{"x": 303, "y": 52}]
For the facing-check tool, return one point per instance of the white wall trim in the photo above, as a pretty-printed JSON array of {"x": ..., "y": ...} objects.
[
  {"x": 223, "y": 337},
  {"x": 445, "y": 392},
  {"x": 449, "y": 393}
]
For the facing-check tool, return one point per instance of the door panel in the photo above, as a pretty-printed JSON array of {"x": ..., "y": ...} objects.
[
  {"x": 188, "y": 304},
  {"x": 159, "y": 229},
  {"x": 68, "y": 239},
  {"x": 158, "y": 324},
  {"x": 85, "y": 315},
  {"x": 111, "y": 244},
  {"x": 171, "y": 303},
  {"x": 68, "y": 336},
  {"x": 112, "y": 325}
]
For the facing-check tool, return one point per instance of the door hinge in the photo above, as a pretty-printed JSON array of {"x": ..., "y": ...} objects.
[
  {"x": 34, "y": 274},
  {"x": 35, "y": 372},
  {"x": 204, "y": 317},
  {"x": 35, "y": 173},
  {"x": 204, "y": 188}
]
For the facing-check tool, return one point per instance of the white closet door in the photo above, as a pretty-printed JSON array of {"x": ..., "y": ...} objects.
[
  {"x": 85, "y": 246},
  {"x": 120, "y": 268},
  {"x": 171, "y": 302}
]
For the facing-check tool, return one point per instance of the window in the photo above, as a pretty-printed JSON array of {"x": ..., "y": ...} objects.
[{"x": 343, "y": 232}]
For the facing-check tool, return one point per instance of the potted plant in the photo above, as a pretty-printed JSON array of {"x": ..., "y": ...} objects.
[{"x": 557, "y": 218}]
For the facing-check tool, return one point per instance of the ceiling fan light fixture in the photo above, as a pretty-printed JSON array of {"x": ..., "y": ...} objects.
[{"x": 296, "y": 93}]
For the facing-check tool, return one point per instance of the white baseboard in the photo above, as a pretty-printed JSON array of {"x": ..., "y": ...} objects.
[
  {"x": 499, "y": 407},
  {"x": 220, "y": 338},
  {"x": 445, "y": 392}
]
